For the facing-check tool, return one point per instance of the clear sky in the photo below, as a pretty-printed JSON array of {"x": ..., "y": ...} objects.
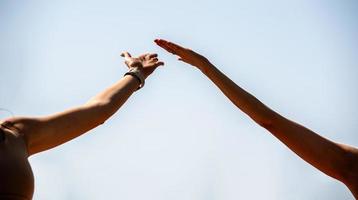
[{"x": 179, "y": 138}]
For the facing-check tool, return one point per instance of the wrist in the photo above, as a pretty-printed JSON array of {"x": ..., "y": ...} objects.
[{"x": 137, "y": 73}]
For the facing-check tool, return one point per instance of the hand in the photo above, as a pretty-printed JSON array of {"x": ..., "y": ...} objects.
[
  {"x": 147, "y": 62},
  {"x": 185, "y": 55}
]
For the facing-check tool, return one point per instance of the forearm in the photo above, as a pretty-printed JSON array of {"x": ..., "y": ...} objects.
[
  {"x": 329, "y": 157},
  {"x": 110, "y": 100},
  {"x": 246, "y": 102},
  {"x": 332, "y": 158}
]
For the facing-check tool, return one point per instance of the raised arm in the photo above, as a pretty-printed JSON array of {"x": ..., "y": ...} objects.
[
  {"x": 42, "y": 133},
  {"x": 336, "y": 160}
]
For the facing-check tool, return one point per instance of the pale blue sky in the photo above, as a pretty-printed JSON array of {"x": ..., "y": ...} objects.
[{"x": 179, "y": 137}]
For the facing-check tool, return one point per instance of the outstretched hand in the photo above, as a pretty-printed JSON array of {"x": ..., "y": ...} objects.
[
  {"x": 147, "y": 62},
  {"x": 185, "y": 55}
]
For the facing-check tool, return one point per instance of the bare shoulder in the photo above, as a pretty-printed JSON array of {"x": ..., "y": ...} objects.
[
  {"x": 9, "y": 124},
  {"x": 19, "y": 124},
  {"x": 20, "y": 127}
]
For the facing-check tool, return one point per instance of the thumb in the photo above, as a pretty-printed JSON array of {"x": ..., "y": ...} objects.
[{"x": 126, "y": 55}]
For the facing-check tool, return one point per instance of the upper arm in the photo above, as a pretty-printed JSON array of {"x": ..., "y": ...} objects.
[
  {"x": 336, "y": 160},
  {"x": 43, "y": 133}
]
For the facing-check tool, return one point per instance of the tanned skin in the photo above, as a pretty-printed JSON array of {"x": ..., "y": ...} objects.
[
  {"x": 336, "y": 160},
  {"x": 26, "y": 136}
]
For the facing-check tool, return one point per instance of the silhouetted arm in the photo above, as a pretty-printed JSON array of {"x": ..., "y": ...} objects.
[{"x": 336, "y": 160}]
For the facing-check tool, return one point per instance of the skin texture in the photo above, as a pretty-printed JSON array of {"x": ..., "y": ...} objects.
[
  {"x": 26, "y": 136},
  {"x": 339, "y": 161}
]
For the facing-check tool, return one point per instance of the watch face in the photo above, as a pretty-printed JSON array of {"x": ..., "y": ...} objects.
[{"x": 139, "y": 74}]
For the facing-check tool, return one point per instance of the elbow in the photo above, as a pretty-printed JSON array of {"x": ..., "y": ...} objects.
[
  {"x": 348, "y": 171},
  {"x": 100, "y": 110},
  {"x": 266, "y": 118},
  {"x": 101, "y": 122},
  {"x": 97, "y": 103},
  {"x": 267, "y": 122}
]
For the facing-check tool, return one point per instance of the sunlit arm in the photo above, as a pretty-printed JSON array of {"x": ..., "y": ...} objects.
[
  {"x": 42, "y": 133},
  {"x": 336, "y": 160}
]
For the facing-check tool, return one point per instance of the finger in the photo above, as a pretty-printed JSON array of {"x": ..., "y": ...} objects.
[
  {"x": 182, "y": 60},
  {"x": 154, "y": 55},
  {"x": 126, "y": 55},
  {"x": 158, "y": 41},
  {"x": 154, "y": 60},
  {"x": 160, "y": 63},
  {"x": 175, "y": 46},
  {"x": 169, "y": 44},
  {"x": 162, "y": 43},
  {"x": 166, "y": 47},
  {"x": 148, "y": 55}
]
